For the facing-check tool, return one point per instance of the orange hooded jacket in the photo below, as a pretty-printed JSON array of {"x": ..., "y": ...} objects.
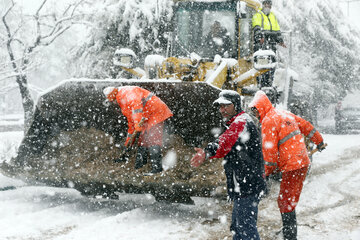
[
  {"x": 137, "y": 103},
  {"x": 282, "y": 143}
]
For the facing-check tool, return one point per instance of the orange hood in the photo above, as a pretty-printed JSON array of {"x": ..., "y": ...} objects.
[{"x": 262, "y": 103}]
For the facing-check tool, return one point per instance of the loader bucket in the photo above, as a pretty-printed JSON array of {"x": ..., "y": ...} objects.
[{"x": 62, "y": 144}]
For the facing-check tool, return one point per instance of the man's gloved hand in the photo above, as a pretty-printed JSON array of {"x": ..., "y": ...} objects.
[
  {"x": 198, "y": 158},
  {"x": 139, "y": 128},
  {"x": 321, "y": 146},
  {"x": 282, "y": 44},
  {"x": 230, "y": 197}
]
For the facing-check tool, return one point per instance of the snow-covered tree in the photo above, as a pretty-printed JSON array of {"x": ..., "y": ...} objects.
[
  {"x": 325, "y": 47},
  {"x": 140, "y": 25},
  {"x": 25, "y": 34}
]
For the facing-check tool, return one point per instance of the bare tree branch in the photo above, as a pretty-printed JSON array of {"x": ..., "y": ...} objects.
[
  {"x": 45, "y": 34},
  {"x": 76, "y": 5},
  {"x": 19, "y": 41},
  {"x": 10, "y": 62},
  {"x": 55, "y": 36},
  {"x": 9, "y": 35},
  {"x": 4, "y": 20},
  {"x": 57, "y": 27},
  {"x": 16, "y": 31},
  {"x": 38, "y": 29},
  {"x": 16, "y": 74},
  {"x": 40, "y": 7}
]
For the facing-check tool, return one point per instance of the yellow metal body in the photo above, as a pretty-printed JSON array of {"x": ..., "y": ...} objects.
[
  {"x": 215, "y": 73},
  {"x": 134, "y": 72}
]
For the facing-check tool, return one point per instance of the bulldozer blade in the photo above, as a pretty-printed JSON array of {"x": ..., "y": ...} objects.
[{"x": 78, "y": 105}]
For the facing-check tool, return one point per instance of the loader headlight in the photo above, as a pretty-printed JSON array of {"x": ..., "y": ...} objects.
[
  {"x": 124, "y": 58},
  {"x": 127, "y": 60},
  {"x": 264, "y": 59}
]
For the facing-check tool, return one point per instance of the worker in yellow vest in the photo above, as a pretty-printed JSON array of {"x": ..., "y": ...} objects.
[
  {"x": 266, "y": 28},
  {"x": 266, "y": 35}
]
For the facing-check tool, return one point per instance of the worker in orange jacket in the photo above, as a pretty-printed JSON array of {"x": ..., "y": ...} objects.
[
  {"x": 145, "y": 114},
  {"x": 284, "y": 150}
]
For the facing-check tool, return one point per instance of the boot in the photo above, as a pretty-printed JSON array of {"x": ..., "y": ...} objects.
[
  {"x": 141, "y": 157},
  {"x": 289, "y": 225},
  {"x": 155, "y": 159}
]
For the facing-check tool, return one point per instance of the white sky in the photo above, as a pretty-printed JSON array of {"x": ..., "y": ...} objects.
[{"x": 352, "y": 12}]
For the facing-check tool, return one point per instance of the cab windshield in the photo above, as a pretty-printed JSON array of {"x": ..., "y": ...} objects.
[{"x": 206, "y": 29}]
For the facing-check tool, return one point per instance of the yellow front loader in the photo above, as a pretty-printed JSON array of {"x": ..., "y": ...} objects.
[
  {"x": 75, "y": 137},
  {"x": 196, "y": 53}
]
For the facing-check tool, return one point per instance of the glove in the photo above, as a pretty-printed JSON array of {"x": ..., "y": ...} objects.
[
  {"x": 320, "y": 146},
  {"x": 139, "y": 128},
  {"x": 282, "y": 44},
  {"x": 198, "y": 158}
]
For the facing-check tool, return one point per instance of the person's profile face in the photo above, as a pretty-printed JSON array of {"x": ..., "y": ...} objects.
[
  {"x": 215, "y": 27},
  {"x": 267, "y": 4},
  {"x": 227, "y": 111},
  {"x": 255, "y": 112}
]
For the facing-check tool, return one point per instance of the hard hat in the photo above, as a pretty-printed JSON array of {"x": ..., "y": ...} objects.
[
  {"x": 110, "y": 93},
  {"x": 229, "y": 97}
]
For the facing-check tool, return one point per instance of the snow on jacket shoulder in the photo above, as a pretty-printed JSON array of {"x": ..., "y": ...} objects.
[
  {"x": 240, "y": 146},
  {"x": 136, "y": 103}
]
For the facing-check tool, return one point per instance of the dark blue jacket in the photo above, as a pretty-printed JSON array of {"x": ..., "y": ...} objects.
[{"x": 240, "y": 146}]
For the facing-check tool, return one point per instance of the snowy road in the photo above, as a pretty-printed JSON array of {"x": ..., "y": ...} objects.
[{"x": 329, "y": 207}]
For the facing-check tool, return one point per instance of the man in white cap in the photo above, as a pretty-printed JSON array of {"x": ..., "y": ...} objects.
[{"x": 240, "y": 146}]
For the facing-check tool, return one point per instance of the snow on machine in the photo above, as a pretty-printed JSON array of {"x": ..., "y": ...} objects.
[{"x": 74, "y": 136}]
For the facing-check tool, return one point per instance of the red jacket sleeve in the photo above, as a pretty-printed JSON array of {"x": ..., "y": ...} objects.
[{"x": 229, "y": 138}]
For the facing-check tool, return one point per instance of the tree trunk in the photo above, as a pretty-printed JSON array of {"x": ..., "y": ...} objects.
[{"x": 27, "y": 101}]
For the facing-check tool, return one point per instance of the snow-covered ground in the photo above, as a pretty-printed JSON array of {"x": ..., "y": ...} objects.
[
  {"x": 11, "y": 122},
  {"x": 329, "y": 207}
]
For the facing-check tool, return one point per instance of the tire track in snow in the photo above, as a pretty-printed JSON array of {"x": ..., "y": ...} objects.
[
  {"x": 347, "y": 157},
  {"x": 269, "y": 221},
  {"x": 340, "y": 165}
]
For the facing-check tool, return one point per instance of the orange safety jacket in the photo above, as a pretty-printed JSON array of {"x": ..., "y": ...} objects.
[
  {"x": 282, "y": 141},
  {"x": 137, "y": 103}
]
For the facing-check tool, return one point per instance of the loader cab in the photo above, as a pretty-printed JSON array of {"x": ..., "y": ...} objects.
[{"x": 210, "y": 28}]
